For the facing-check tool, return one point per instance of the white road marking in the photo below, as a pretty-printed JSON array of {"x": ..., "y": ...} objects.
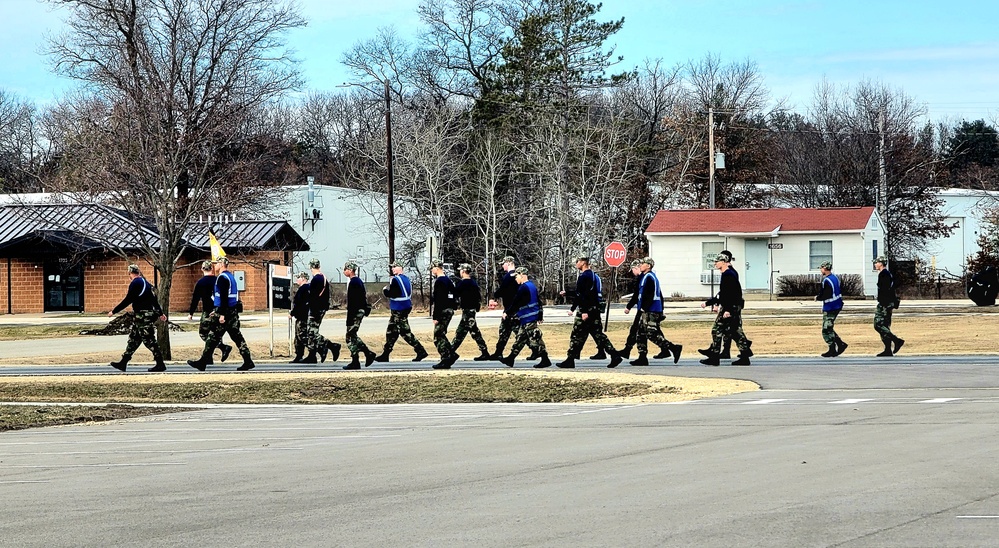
[
  {"x": 852, "y": 400},
  {"x": 762, "y": 402},
  {"x": 105, "y": 465},
  {"x": 977, "y": 517},
  {"x": 24, "y": 481},
  {"x": 940, "y": 400}
]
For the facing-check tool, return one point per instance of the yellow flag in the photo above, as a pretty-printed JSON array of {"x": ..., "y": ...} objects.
[{"x": 217, "y": 251}]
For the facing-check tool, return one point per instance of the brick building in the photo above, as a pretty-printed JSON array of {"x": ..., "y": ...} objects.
[{"x": 73, "y": 257}]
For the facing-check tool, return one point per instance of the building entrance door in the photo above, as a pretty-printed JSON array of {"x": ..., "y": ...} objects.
[
  {"x": 757, "y": 264},
  {"x": 63, "y": 286}
]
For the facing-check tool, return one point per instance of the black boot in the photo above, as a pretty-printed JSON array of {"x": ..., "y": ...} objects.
[
  {"x": 534, "y": 355},
  {"x": 441, "y": 364},
  {"x": 330, "y": 347},
  {"x": 545, "y": 362},
  {"x": 748, "y": 352},
  {"x": 355, "y": 363},
  {"x": 726, "y": 353},
  {"x": 642, "y": 359},
  {"x": 247, "y": 364},
  {"x": 676, "y": 350},
  {"x": 369, "y": 358},
  {"x": 600, "y": 355},
  {"x": 299, "y": 352},
  {"x": 713, "y": 358},
  {"x": 743, "y": 360},
  {"x": 310, "y": 358},
  {"x": 616, "y": 360},
  {"x": 201, "y": 362},
  {"x": 383, "y": 357},
  {"x": 568, "y": 363},
  {"x": 484, "y": 357},
  {"x": 831, "y": 352},
  {"x": 507, "y": 361},
  {"x": 898, "y": 345},
  {"x": 122, "y": 364},
  {"x": 626, "y": 351},
  {"x": 886, "y": 353},
  {"x": 840, "y": 346},
  {"x": 226, "y": 350},
  {"x": 160, "y": 366},
  {"x": 663, "y": 353},
  {"x": 420, "y": 354}
]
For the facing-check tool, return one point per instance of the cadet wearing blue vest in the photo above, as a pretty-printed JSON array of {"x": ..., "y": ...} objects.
[
  {"x": 728, "y": 322},
  {"x": 224, "y": 319},
  {"x": 527, "y": 307},
  {"x": 146, "y": 309},
  {"x": 650, "y": 302},
  {"x": 204, "y": 293},
  {"x": 831, "y": 298},
  {"x": 400, "y": 295},
  {"x": 586, "y": 304}
]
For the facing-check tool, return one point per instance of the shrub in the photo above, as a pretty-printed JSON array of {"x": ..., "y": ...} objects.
[{"x": 809, "y": 285}]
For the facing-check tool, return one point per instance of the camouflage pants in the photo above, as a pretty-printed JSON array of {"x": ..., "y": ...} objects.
[
  {"x": 440, "y": 333},
  {"x": 581, "y": 329},
  {"x": 469, "y": 326},
  {"x": 143, "y": 331},
  {"x": 354, "y": 342},
  {"x": 219, "y": 329},
  {"x": 649, "y": 330},
  {"x": 506, "y": 328},
  {"x": 530, "y": 336},
  {"x": 828, "y": 326},
  {"x": 301, "y": 334},
  {"x": 205, "y": 327},
  {"x": 882, "y": 323},
  {"x": 398, "y": 326},
  {"x": 731, "y": 328},
  {"x": 316, "y": 341},
  {"x": 633, "y": 332}
]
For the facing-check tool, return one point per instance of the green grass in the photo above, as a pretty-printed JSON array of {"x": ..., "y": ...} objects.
[{"x": 19, "y": 417}]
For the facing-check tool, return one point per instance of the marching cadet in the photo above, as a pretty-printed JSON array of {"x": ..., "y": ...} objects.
[
  {"x": 887, "y": 301},
  {"x": 442, "y": 297},
  {"x": 469, "y": 300},
  {"x": 831, "y": 298},
  {"x": 400, "y": 295},
  {"x": 587, "y": 322},
  {"x": 650, "y": 302},
  {"x": 636, "y": 272},
  {"x": 203, "y": 293},
  {"x": 726, "y": 353},
  {"x": 224, "y": 319},
  {"x": 146, "y": 307},
  {"x": 728, "y": 321},
  {"x": 506, "y": 292},
  {"x": 319, "y": 304},
  {"x": 528, "y": 311},
  {"x": 357, "y": 309},
  {"x": 300, "y": 313}
]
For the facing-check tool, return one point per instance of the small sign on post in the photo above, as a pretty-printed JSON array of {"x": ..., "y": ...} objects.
[
  {"x": 279, "y": 296},
  {"x": 615, "y": 254}
]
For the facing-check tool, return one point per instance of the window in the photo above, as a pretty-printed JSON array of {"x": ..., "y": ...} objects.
[
  {"x": 874, "y": 252},
  {"x": 710, "y": 250},
  {"x": 819, "y": 252}
]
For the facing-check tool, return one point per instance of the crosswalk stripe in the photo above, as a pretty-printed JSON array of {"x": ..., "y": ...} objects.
[
  {"x": 940, "y": 400},
  {"x": 852, "y": 400},
  {"x": 762, "y": 402}
]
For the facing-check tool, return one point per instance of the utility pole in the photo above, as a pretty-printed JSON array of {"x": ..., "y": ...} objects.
[
  {"x": 711, "y": 158},
  {"x": 391, "y": 180},
  {"x": 881, "y": 195}
]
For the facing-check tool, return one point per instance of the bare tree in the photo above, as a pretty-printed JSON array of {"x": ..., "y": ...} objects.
[{"x": 169, "y": 85}]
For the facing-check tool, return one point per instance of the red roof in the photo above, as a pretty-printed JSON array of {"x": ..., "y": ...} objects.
[{"x": 713, "y": 221}]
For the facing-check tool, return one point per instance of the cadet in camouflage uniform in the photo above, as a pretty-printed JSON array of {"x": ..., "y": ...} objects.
[
  {"x": 887, "y": 301},
  {"x": 650, "y": 303},
  {"x": 357, "y": 309},
  {"x": 831, "y": 297},
  {"x": 529, "y": 312},
  {"x": 142, "y": 296},
  {"x": 300, "y": 313},
  {"x": 728, "y": 322},
  {"x": 469, "y": 300},
  {"x": 442, "y": 299},
  {"x": 587, "y": 322},
  {"x": 507, "y": 292},
  {"x": 203, "y": 292},
  {"x": 629, "y": 343},
  {"x": 400, "y": 295},
  {"x": 319, "y": 304},
  {"x": 225, "y": 319}
]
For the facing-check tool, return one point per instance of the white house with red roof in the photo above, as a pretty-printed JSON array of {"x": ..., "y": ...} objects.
[{"x": 766, "y": 244}]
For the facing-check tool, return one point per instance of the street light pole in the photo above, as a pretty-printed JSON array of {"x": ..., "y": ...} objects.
[
  {"x": 711, "y": 159},
  {"x": 391, "y": 181}
]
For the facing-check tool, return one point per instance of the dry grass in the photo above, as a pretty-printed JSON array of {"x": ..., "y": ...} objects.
[{"x": 19, "y": 417}]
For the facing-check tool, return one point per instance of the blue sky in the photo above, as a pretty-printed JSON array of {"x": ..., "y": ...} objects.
[{"x": 945, "y": 56}]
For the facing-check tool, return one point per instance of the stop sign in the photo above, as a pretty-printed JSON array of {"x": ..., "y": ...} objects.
[{"x": 615, "y": 254}]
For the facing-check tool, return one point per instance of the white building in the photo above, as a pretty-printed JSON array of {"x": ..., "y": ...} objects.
[
  {"x": 966, "y": 209},
  {"x": 766, "y": 243}
]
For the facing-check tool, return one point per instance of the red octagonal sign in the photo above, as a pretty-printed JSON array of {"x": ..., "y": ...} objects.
[{"x": 615, "y": 254}]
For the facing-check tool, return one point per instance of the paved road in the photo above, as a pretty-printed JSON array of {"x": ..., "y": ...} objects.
[{"x": 858, "y": 452}]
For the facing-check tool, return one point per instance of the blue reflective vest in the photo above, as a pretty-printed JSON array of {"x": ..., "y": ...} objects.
[
  {"x": 405, "y": 301},
  {"x": 657, "y": 299},
  {"x": 233, "y": 290},
  {"x": 530, "y": 311},
  {"x": 836, "y": 301}
]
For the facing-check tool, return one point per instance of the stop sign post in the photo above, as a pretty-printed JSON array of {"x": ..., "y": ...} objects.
[{"x": 614, "y": 256}]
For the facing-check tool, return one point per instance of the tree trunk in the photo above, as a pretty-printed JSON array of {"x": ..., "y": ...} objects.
[{"x": 163, "y": 328}]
